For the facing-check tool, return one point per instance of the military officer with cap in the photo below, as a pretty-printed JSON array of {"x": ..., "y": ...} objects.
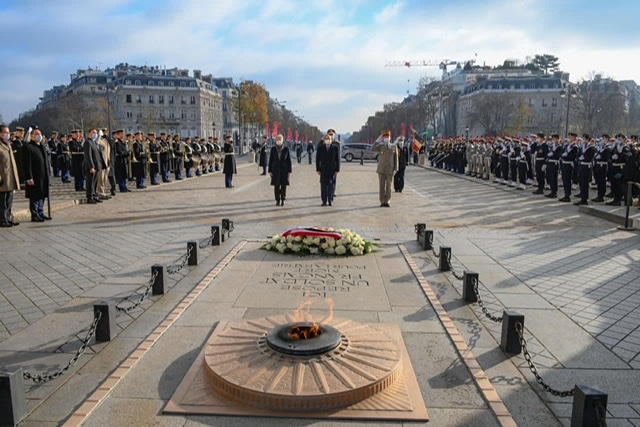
[
  {"x": 584, "y": 172},
  {"x": 567, "y": 164},
  {"x": 553, "y": 163},
  {"x": 122, "y": 158},
  {"x": 139, "y": 160},
  {"x": 178, "y": 157},
  {"x": 165, "y": 157},
  {"x": 601, "y": 166},
  {"x": 52, "y": 144},
  {"x": 64, "y": 159},
  {"x": 16, "y": 146},
  {"x": 229, "y": 167},
  {"x": 77, "y": 159},
  {"x": 154, "y": 158},
  {"x": 619, "y": 154},
  {"x": 542, "y": 150}
]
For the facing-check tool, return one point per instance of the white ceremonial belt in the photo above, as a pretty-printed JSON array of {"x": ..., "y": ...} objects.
[
  {"x": 553, "y": 160},
  {"x": 618, "y": 164},
  {"x": 524, "y": 161},
  {"x": 228, "y": 154},
  {"x": 540, "y": 160},
  {"x": 585, "y": 163}
]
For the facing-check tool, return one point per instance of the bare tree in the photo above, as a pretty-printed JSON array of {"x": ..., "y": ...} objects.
[
  {"x": 494, "y": 112},
  {"x": 600, "y": 104}
]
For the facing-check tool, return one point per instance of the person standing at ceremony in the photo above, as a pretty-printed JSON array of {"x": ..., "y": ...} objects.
[
  {"x": 280, "y": 170},
  {"x": 328, "y": 167},
  {"x": 9, "y": 179},
  {"x": 229, "y": 167},
  {"x": 36, "y": 174},
  {"x": 387, "y": 165}
]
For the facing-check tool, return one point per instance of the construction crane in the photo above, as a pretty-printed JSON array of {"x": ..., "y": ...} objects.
[{"x": 443, "y": 64}]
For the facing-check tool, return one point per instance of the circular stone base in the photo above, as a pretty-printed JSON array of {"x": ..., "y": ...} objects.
[{"x": 245, "y": 368}]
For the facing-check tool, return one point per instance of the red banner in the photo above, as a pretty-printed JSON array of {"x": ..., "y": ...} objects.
[
  {"x": 297, "y": 136},
  {"x": 275, "y": 129},
  {"x": 403, "y": 132},
  {"x": 267, "y": 129},
  {"x": 289, "y": 134}
]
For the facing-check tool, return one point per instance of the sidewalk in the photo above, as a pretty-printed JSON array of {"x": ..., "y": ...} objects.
[{"x": 572, "y": 275}]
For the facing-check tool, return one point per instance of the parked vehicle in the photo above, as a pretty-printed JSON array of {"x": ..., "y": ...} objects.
[{"x": 355, "y": 151}]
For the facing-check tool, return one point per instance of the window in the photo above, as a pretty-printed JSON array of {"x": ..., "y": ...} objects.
[
  {"x": 183, "y": 114},
  {"x": 93, "y": 89},
  {"x": 92, "y": 80},
  {"x": 152, "y": 99},
  {"x": 530, "y": 102},
  {"x": 138, "y": 99},
  {"x": 171, "y": 84},
  {"x": 192, "y": 114},
  {"x": 160, "y": 83},
  {"x": 544, "y": 102},
  {"x": 183, "y": 99},
  {"x": 129, "y": 115},
  {"x": 554, "y": 102},
  {"x": 553, "y": 117},
  {"x": 139, "y": 115},
  {"x": 192, "y": 84},
  {"x": 172, "y": 114},
  {"x": 224, "y": 106},
  {"x": 150, "y": 83},
  {"x": 183, "y": 84},
  {"x": 127, "y": 82},
  {"x": 193, "y": 100},
  {"x": 160, "y": 99},
  {"x": 128, "y": 99},
  {"x": 171, "y": 99},
  {"x": 138, "y": 83}
]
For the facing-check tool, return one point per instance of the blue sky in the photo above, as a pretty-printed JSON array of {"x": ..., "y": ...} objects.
[{"x": 325, "y": 58}]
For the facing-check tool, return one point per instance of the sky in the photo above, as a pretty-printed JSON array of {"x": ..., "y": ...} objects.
[{"x": 325, "y": 58}]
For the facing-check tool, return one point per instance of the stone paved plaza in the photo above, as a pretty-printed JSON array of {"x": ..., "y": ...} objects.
[{"x": 575, "y": 277}]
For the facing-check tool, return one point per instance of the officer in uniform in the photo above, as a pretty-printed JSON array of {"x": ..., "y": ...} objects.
[
  {"x": 16, "y": 146},
  {"x": 52, "y": 144},
  {"x": 584, "y": 172},
  {"x": 122, "y": 158},
  {"x": 524, "y": 163},
  {"x": 542, "y": 150},
  {"x": 196, "y": 157},
  {"x": 212, "y": 154},
  {"x": 139, "y": 161},
  {"x": 165, "y": 157},
  {"x": 229, "y": 167},
  {"x": 488, "y": 152},
  {"x": 64, "y": 159},
  {"x": 495, "y": 160},
  {"x": 567, "y": 164},
  {"x": 403, "y": 161},
  {"x": 310, "y": 149},
  {"x": 217, "y": 154},
  {"x": 77, "y": 159},
  {"x": 504, "y": 160},
  {"x": 514, "y": 159},
  {"x": 553, "y": 163},
  {"x": 178, "y": 157},
  {"x": 600, "y": 167},
  {"x": 619, "y": 154},
  {"x": 154, "y": 158}
]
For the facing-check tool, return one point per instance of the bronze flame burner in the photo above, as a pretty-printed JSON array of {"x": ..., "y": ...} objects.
[{"x": 280, "y": 339}]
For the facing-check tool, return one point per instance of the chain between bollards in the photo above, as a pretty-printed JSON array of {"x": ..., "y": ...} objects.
[
  {"x": 481, "y": 303},
  {"x": 176, "y": 268},
  {"x": 453, "y": 270},
  {"x": 208, "y": 241},
  {"x": 534, "y": 370},
  {"x": 435, "y": 254},
  {"x": 141, "y": 299},
  {"x": 43, "y": 378}
]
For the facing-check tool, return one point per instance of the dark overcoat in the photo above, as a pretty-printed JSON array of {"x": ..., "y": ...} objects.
[{"x": 280, "y": 166}]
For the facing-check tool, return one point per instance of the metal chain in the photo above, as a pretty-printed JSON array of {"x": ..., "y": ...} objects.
[
  {"x": 231, "y": 227},
  {"x": 435, "y": 254},
  {"x": 601, "y": 413},
  {"x": 43, "y": 378},
  {"x": 481, "y": 303},
  {"x": 142, "y": 297},
  {"x": 208, "y": 241},
  {"x": 452, "y": 269},
  {"x": 173, "y": 269},
  {"x": 534, "y": 370}
]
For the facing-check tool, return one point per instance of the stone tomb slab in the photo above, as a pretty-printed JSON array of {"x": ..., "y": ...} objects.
[
  {"x": 284, "y": 281},
  {"x": 198, "y": 394}
]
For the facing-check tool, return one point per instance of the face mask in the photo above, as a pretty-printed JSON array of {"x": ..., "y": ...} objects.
[
  {"x": 327, "y": 142},
  {"x": 386, "y": 140},
  {"x": 279, "y": 142},
  {"x": 38, "y": 138},
  {"x": 332, "y": 137},
  {"x": 5, "y": 137},
  {"x": 401, "y": 143}
]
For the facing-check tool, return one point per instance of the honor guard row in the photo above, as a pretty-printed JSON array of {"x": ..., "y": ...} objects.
[{"x": 546, "y": 161}]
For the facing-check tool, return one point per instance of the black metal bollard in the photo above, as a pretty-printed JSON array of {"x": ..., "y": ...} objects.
[
  {"x": 215, "y": 232},
  {"x": 158, "y": 283},
  {"x": 420, "y": 227},
  {"x": 629, "y": 199},
  {"x": 510, "y": 340},
  {"x": 227, "y": 225},
  {"x": 106, "y": 328},
  {"x": 361, "y": 157},
  {"x": 589, "y": 407},
  {"x": 443, "y": 260},
  {"x": 13, "y": 400},
  {"x": 469, "y": 279},
  {"x": 192, "y": 250},
  {"x": 428, "y": 240}
]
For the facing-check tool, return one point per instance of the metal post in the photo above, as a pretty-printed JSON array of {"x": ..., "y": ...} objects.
[
  {"x": 13, "y": 400},
  {"x": 227, "y": 225},
  {"x": 469, "y": 279},
  {"x": 158, "y": 283},
  {"x": 628, "y": 201},
  {"x": 420, "y": 227},
  {"x": 215, "y": 231},
  {"x": 192, "y": 250},
  {"x": 445, "y": 256},
  {"x": 428, "y": 240},
  {"x": 361, "y": 157},
  {"x": 106, "y": 327},
  {"x": 587, "y": 402},
  {"x": 510, "y": 340}
]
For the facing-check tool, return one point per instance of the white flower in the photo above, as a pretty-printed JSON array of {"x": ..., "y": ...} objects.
[
  {"x": 308, "y": 241},
  {"x": 267, "y": 247},
  {"x": 355, "y": 251},
  {"x": 324, "y": 246},
  {"x": 330, "y": 251},
  {"x": 283, "y": 239},
  {"x": 316, "y": 241},
  {"x": 290, "y": 238},
  {"x": 295, "y": 248},
  {"x": 281, "y": 247},
  {"x": 298, "y": 239},
  {"x": 341, "y": 250},
  {"x": 332, "y": 243},
  {"x": 290, "y": 245}
]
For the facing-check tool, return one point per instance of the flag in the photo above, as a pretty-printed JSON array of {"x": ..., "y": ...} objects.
[
  {"x": 275, "y": 129},
  {"x": 297, "y": 136},
  {"x": 267, "y": 129},
  {"x": 289, "y": 134},
  {"x": 403, "y": 128},
  {"x": 417, "y": 145}
]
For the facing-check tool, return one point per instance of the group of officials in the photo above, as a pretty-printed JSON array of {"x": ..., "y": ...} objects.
[
  {"x": 548, "y": 162},
  {"x": 100, "y": 163}
]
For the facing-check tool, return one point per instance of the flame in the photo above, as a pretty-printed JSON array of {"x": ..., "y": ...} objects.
[{"x": 302, "y": 313}]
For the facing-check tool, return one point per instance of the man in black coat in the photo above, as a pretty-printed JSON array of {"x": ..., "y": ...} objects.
[
  {"x": 262, "y": 157},
  {"x": 36, "y": 174},
  {"x": 328, "y": 167},
  {"x": 584, "y": 171},
  {"x": 280, "y": 170},
  {"x": 16, "y": 146},
  {"x": 93, "y": 164},
  {"x": 122, "y": 155},
  {"x": 229, "y": 167},
  {"x": 403, "y": 160},
  {"x": 64, "y": 159},
  {"x": 310, "y": 150},
  {"x": 77, "y": 159}
]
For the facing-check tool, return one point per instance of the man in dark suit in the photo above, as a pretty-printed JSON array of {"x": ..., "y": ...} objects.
[
  {"x": 229, "y": 166},
  {"x": 92, "y": 165},
  {"x": 36, "y": 174},
  {"x": 328, "y": 167}
]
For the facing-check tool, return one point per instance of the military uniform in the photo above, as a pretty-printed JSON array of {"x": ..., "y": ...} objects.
[
  {"x": 165, "y": 157},
  {"x": 619, "y": 154},
  {"x": 77, "y": 159},
  {"x": 154, "y": 158},
  {"x": 52, "y": 145},
  {"x": 121, "y": 162},
  {"x": 542, "y": 150},
  {"x": 229, "y": 167},
  {"x": 600, "y": 168},
  {"x": 584, "y": 172},
  {"x": 64, "y": 159},
  {"x": 178, "y": 157},
  {"x": 553, "y": 164},
  {"x": 567, "y": 161},
  {"x": 139, "y": 166}
]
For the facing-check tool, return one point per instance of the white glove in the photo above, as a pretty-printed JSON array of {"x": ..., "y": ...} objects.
[
  {"x": 100, "y": 134},
  {"x": 30, "y": 129},
  {"x": 550, "y": 155},
  {"x": 598, "y": 156},
  {"x": 614, "y": 157},
  {"x": 564, "y": 154},
  {"x": 544, "y": 168},
  {"x": 581, "y": 158}
]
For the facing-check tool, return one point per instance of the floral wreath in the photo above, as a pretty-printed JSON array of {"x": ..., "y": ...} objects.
[{"x": 319, "y": 241}]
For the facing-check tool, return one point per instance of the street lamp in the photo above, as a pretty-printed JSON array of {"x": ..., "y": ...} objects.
[{"x": 569, "y": 91}]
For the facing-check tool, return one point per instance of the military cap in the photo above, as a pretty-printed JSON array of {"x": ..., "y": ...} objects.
[
  {"x": 138, "y": 133},
  {"x": 128, "y": 135},
  {"x": 216, "y": 138},
  {"x": 162, "y": 133},
  {"x": 621, "y": 136},
  {"x": 104, "y": 130},
  {"x": 119, "y": 130},
  {"x": 331, "y": 131},
  {"x": 586, "y": 136},
  {"x": 540, "y": 135},
  {"x": 573, "y": 134},
  {"x": 384, "y": 132},
  {"x": 151, "y": 134},
  {"x": 75, "y": 131},
  {"x": 54, "y": 132},
  {"x": 227, "y": 136},
  {"x": 555, "y": 135},
  {"x": 19, "y": 128},
  {"x": 606, "y": 136},
  {"x": 634, "y": 137}
]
